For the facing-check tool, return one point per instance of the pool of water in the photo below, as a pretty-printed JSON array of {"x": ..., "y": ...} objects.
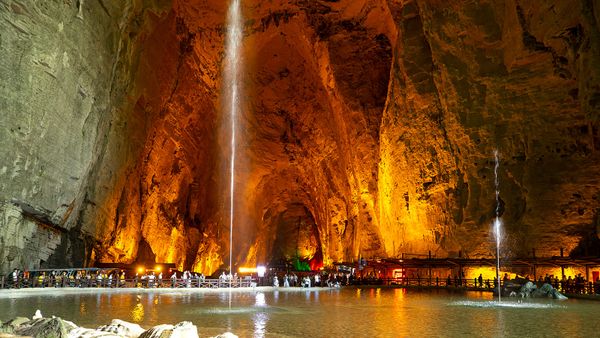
[{"x": 348, "y": 312}]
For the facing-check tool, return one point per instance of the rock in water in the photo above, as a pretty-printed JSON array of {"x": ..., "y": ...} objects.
[
  {"x": 122, "y": 328},
  {"x": 10, "y": 326},
  {"x": 82, "y": 332},
  {"x": 527, "y": 289},
  {"x": 180, "y": 330},
  {"x": 226, "y": 335},
  {"x": 45, "y": 328}
]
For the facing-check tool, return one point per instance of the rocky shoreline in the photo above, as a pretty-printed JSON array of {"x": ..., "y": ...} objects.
[{"x": 55, "y": 327}]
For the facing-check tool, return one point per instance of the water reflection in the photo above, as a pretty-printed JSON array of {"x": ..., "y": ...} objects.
[
  {"x": 82, "y": 309},
  {"x": 137, "y": 314},
  {"x": 346, "y": 312},
  {"x": 260, "y": 300},
  {"x": 260, "y": 324}
]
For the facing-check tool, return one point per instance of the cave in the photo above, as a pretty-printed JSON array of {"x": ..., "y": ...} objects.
[
  {"x": 367, "y": 129},
  {"x": 295, "y": 239}
]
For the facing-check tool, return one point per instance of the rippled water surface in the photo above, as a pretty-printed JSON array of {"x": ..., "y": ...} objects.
[{"x": 347, "y": 312}]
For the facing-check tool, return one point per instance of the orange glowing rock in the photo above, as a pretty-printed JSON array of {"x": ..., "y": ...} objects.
[{"x": 368, "y": 129}]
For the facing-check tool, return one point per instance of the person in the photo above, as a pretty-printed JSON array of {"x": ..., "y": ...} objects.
[
  {"x": 480, "y": 280},
  {"x": 99, "y": 279},
  {"x": 317, "y": 280},
  {"x": 15, "y": 278},
  {"x": 275, "y": 282},
  {"x": 187, "y": 275},
  {"x": 286, "y": 281},
  {"x": 449, "y": 281},
  {"x": 151, "y": 279},
  {"x": 174, "y": 279},
  {"x": 42, "y": 279}
]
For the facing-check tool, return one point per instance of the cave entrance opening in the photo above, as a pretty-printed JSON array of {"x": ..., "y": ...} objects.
[{"x": 296, "y": 244}]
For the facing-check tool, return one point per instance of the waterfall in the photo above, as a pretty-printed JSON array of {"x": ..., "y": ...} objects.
[
  {"x": 231, "y": 85},
  {"x": 497, "y": 221}
]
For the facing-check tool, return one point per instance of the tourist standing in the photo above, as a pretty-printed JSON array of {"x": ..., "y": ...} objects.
[{"x": 174, "y": 279}]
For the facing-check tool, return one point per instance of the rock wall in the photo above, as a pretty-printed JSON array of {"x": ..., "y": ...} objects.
[
  {"x": 368, "y": 127},
  {"x": 65, "y": 68}
]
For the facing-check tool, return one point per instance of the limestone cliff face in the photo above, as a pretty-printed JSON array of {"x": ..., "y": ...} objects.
[
  {"x": 368, "y": 129},
  {"x": 64, "y": 71}
]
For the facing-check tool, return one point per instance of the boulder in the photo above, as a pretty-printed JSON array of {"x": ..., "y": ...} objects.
[
  {"x": 10, "y": 326},
  {"x": 526, "y": 290},
  {"x": 82, "y": 332},
  {"x": 46, "y": 328},
  {"x": 226, "y": 335},
  {"x": 180, "y": 330},
  {"x": 529, "y": 289},
  {"x": 122, "y": 328},
  {"x": 8, "y": 335}
]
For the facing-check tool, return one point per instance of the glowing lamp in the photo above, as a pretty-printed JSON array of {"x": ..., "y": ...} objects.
[
  {"x": 260, "y": 270},
  {"x": 141, "y": 269},
  {"x": 158, "y": 268},
  {"x": 247, "y": 270}
]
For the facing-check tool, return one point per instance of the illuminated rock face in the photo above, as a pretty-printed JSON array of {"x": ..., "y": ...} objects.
[{"x": 368, "y": 129}]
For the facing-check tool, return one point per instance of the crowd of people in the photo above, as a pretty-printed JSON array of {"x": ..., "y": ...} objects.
[
  {"x": 570, "y": 285},
  {"x": 62, "y": 278},
  {"x": 334, "y": 279},
  {"x": 155, "y": 279}
]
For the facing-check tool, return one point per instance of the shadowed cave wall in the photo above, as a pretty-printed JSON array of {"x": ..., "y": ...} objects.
[{"x": 368, "y": 129}]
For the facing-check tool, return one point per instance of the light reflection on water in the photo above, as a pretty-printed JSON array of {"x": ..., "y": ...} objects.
[
  {"x": 137, "y": 314},
  {"x": 378, "y": 312},
  {"x": 511, "y": 303}
]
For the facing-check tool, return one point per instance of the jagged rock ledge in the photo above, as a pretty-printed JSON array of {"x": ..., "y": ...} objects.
[{"x": 55, "y": 327}]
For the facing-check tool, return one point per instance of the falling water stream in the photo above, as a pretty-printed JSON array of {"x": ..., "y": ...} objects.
[
  {"x": 497, "y": 221},
  {"x": 231, "y": 77}
]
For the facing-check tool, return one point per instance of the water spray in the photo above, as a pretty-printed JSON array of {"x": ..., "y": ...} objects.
[
  {"x": 497, "y": 223},
  {"x": 231, "y": 77}
]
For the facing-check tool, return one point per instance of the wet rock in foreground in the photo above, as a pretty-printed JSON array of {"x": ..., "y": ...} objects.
[{"x": 55, "y": 327}]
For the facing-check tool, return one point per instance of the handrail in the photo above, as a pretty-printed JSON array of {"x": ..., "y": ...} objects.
[
  {"x": 59, "y": 282},
  {"x": 587, "y": 288}
]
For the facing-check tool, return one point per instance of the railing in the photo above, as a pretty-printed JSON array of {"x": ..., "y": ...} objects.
[
  {"x": 586, "y": 288},
  {"x": 59, "y": 282},
  {"x": 430, "y": 282}
]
